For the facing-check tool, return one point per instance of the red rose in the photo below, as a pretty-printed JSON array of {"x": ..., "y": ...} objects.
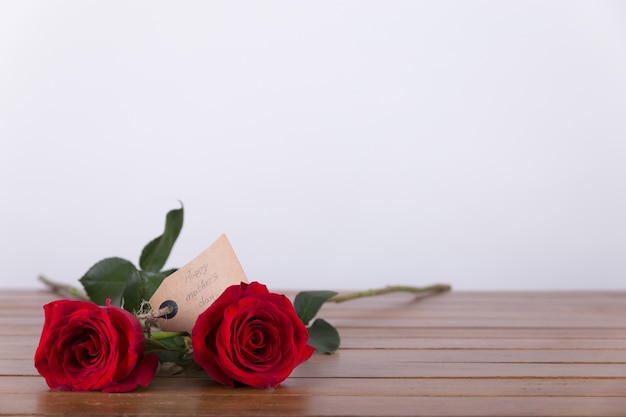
[
  {"x": 86, "y": 347},
  {"x": 250, "y": 336}
]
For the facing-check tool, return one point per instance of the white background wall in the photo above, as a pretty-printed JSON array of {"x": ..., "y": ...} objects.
[{"x": 339, "y": 144}]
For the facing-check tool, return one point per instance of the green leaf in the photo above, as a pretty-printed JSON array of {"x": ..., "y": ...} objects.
[
  {"x": 140, "y": 287},
  {"x": 323, "y": 336},
  {"x": 170, "y": 350},
  {"x": 308, "y": 303},
  {"x": 154, "y": 346},
  {"x": 119, "y": 280},
  {"x": 108, "y": 278},
  {"x": 169, "y": 272},
  {"x": 176, "y": 343},
  {"x": 155, "y": 254},
  {"x": 151, "y": 281}
]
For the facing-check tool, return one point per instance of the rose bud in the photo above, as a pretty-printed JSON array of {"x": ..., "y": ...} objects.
[
  {"x": 85, "y": 347},
  {"x": 250, "y": 336}
]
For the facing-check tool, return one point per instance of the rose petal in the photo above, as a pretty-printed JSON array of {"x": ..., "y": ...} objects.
[
  {"x": 86, "y": 347},
  {"x": 131, "y": 340},
  {"x": 142, "y": 374},
  {"x": 250, "y": 336}
]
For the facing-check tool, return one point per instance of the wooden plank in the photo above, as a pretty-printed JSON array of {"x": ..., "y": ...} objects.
[
  {"x": 484, "y": 333},
  {"x": 300, "y": 396},
  {"x": 51, "y": 403},
  {"x": 457, "y": 354},
  {"x": 474, "y": 344},
  {"x": 375, "y": 367},
  {"x": 399, "y": 387},
  {"x": 492, "y": 356},
  {"x": 494, "y": 322},
  {"x": 469, "y": 299}
]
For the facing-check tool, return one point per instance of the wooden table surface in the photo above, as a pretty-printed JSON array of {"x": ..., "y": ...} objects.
[{"x": 456, "y": 354}]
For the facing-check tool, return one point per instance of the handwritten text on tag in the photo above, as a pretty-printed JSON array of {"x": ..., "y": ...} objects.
[{"x": 191, "y": 289}]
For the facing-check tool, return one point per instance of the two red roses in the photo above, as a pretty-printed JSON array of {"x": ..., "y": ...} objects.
[{"x": 248, "y": 336}]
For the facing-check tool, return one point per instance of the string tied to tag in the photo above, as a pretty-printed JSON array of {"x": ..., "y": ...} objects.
[{"x": 166, "y": 310}]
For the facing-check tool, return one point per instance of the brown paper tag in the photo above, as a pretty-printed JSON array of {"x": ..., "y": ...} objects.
[{"x": 194, "y": 287}]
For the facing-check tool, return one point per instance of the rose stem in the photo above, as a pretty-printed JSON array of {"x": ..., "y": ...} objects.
[
  {"x": 437, "y": 288},
  {"x": 64, "y": 290}
]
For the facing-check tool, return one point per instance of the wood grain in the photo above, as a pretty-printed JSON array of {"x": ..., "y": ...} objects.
[{"x": 457, "y": 354}]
